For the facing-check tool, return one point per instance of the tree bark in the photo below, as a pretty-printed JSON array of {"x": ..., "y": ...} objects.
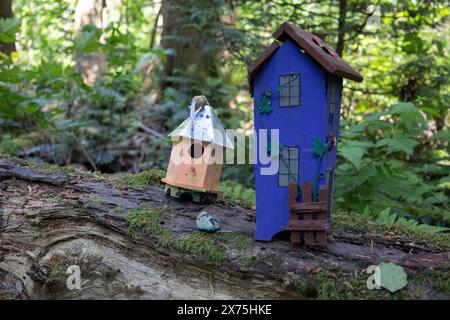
[
  {"x": 91, "y": 65},
  {"x": 50, "y": 220},
  {"x": 6, "y": 12},
  {"x": 184, "y": 40},
  {"x": 341, "y": 27}
]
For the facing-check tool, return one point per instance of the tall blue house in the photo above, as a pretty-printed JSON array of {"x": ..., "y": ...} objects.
[{"x": 296, "y": 84}]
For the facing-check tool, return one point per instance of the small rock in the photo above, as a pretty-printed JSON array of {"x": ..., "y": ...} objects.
[{"x": 206, "y": 222}]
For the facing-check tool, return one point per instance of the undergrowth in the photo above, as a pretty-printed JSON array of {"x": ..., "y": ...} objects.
[
  {"x": 336, "y": 283},
  {"x": 235, "y": 192},
  {"x": 142, "y": 179},
  {"x": 363, "y": 224}
]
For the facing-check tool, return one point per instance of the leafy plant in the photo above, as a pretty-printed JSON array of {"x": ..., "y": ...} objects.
[
  {"x": 378, "y": 168},
  {"x": 8, "y": 29}
]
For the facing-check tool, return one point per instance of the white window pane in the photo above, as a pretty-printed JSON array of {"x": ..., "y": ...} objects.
[
  {"x": 293, "y": 166},
  {"x": 283, "y": 167},
  {"x": 283, "y": 180},
  {"x": 293, "y": 153},
  {"x": 293, "y": 178},
  {"x": 294, "y": 101},
  {"x": 284, "y": 101},
  {"x": 295, "y": 91}
]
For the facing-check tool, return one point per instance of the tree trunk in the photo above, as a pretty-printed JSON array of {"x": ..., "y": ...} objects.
[
  {"x": 91, "y": 65},
  {"x": 185, "y": 42},
  {"x": 6, "y": 12},
  {"x": 341, "y": 27},
  {"x": 50, "y": 220}
]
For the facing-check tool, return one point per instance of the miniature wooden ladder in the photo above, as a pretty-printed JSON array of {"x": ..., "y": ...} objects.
[{"x": 309, "y": 218}]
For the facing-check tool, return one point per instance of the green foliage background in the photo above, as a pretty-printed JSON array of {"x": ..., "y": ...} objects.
[{"x": 394, "y": 140}]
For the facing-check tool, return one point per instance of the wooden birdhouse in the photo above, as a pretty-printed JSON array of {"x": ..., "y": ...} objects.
[
  {"x": 296, "y": 84},
  {"x": 196, "y": 159}
]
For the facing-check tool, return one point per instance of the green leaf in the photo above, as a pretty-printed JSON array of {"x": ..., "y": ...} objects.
[
  {"x": 88, "y": 40},
  {"x": 275, "y": 149},
  {"x": 392, "y": 277},
  {"x": 264, "y": 105},
  {"x": 408, "y": 114},
  {"x": 319, "y": 147},
  {"x": 412, "y": 43},
  {"x": 443, "y": 134},
  {"x": 385, "y": 217},
  {"x": 353, "y": 151},
  {"x": 8, "y": 28},
  {"x": 399, "y": 143}
]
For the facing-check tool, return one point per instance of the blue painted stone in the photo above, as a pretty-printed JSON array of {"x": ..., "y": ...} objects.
[{"x": 206, "y": 222}]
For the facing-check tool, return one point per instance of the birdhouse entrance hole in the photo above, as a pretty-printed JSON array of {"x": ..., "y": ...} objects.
[{"x": 196, "y": 150}]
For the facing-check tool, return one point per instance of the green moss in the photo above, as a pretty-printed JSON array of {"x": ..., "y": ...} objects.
[
  {"x": 92, "y": 202},
  {"x": 201, "y": 245},
  {"x": 236, "y": 240},
  {"x": 142, "y": 179},
  {"x": 340, "y": 284},
  {"x": 117, "y": 209},
  {"x": 57, "y": 276},
  {"x": 146, "y": 221},
  {"x": 437, "y": 279},
  {"x": 359, "y": 223},
  {"x": 69, "y": 169},
  {"x": 247, "y": 262}
]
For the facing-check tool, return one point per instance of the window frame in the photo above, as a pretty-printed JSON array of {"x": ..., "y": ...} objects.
[
  {"x": 289, "y": 97},
  {"x": 288, "y": 160}
]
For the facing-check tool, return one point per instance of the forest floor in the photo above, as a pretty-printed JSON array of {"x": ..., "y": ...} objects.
[{"x": 132, "y": 241}]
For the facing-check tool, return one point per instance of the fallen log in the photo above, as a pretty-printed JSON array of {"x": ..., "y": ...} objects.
[{"x": 138, "y": 243}]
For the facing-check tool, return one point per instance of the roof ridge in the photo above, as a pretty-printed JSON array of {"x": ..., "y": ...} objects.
[{"x": 313, "y": 45}]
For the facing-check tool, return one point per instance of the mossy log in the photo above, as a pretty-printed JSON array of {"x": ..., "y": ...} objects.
[{"x": 138, "y": 243}]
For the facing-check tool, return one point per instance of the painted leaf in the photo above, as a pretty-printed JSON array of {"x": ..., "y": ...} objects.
[
  {"x": 319, "y": 147},
  {"x": 354, "y": 151},
  {"x": 264, "y": 105},
  {"x": 392, "y": 277},
  {"x": 275, "y": 149}
]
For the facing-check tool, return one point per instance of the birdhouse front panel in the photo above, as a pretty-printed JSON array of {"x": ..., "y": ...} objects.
[
  {"x": 296, "y": 84},
  {"x": 190, "y": 167},
  {"x": 298, "y": 112},
  {"x": 196, "y": 158}
]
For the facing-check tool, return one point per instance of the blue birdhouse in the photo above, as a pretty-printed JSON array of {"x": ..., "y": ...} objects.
[{"x": 296, "y": 84}]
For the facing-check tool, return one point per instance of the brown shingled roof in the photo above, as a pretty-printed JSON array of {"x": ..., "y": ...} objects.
[{"x": 313, "y": 45}]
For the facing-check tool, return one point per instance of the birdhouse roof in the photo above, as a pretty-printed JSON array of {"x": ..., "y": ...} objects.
[
  {"x": 313, "y": 45},
  {"x": 205, "y": 127}
]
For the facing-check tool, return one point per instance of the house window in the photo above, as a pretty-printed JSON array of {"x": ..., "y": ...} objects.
[
  {"x": 290, "y": 90},
  {"x": 288, "y": 170}
]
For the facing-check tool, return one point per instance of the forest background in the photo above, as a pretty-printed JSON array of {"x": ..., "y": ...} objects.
[{"x": 97, "y": 85}]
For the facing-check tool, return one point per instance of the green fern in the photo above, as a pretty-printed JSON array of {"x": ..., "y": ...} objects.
[
  {"x": 392, "y": 219},
  {"x": 236, "y": 192}
]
